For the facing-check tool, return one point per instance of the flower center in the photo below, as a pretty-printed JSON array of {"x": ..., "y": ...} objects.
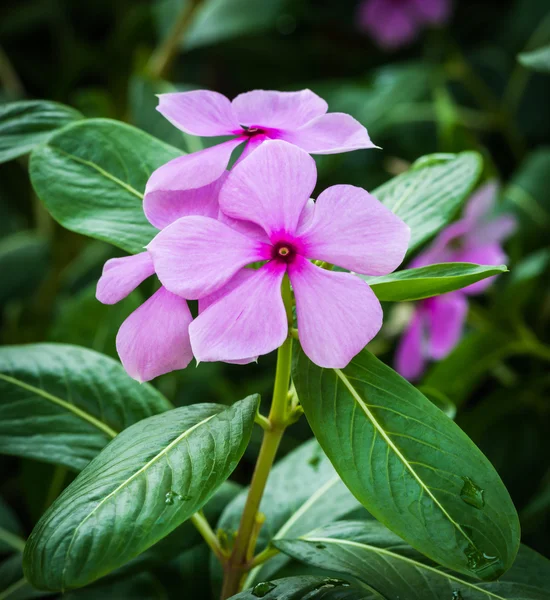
[
  {"x": 283, "y": 252},
  {"x": 252, "y": 131}
]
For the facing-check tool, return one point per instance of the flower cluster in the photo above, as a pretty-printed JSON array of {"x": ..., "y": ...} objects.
[
  {"x": 437, "y": 323},
  {"x": 233, "y": 240},
  {"x": 394, "y": 23}
]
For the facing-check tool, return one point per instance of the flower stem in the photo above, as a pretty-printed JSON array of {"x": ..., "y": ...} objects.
[
  {"x": 237, "y": 564},
  {"x": 203, "y": 526}
]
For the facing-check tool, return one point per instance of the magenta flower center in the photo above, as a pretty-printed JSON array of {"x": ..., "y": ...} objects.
[{"x": 253, "y": 131}]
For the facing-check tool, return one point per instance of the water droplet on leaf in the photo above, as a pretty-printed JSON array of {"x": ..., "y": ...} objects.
[
  {"x": 457, "y": 595},
  {"x": 169, "y": 498},
  {"x": 320, "y": 546},
  {"x": 472, "y": 494},
  {"x": 482, "y": 564},
  {"x": 262, "y": 589}
]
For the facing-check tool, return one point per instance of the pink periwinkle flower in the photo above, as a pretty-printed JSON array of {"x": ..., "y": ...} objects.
[
  {"x": 394, "y": 23},
  {"x": 300, "y": 118},
  {"x": 271, "y": 219},
  {"x": 437, "y": 323}
]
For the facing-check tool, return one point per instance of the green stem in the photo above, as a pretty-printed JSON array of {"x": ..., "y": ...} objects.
[
  {"x": 238, "y": 563},
  {"x": 203, "y": 527},
  {"x": 56, "y": 485},
  {"x": 162, "y": 58}
]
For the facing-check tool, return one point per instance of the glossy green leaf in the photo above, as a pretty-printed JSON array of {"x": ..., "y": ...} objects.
[
  {"x": 431, "y": 192},
  {"x": 306, "y": 588},
  {"x": 410, "y": 465},
  {"x": 151, "y": 478},
  {"x": 28, "y": 123},
  {"x": 537, "y": 60},
  {"x": 91, "y": 176},
  {"x": 62, "y": 404},
  {"x": 424, "y": 282},
  {"x": 372, "y": 554},
  {"x": 303, "y": 491}
]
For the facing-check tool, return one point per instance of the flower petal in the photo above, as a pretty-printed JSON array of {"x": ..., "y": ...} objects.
[
  {"x": 199, "y": 112},
  {"x": 270, "y": 187},
  {"x": 409, "y": 358},
  {"x": 281, "y": 110},
  {"x": 338, "y": 314},
  {"x": 446, "y": 316},
  {"x": 122, "y": 275},
  {"x": 249, "y": 321},
  {"x": 435, "y": 12},
  {"x": 352, "y": 229},
  {"x": 494, "y": 231},
  {"x": 445, "y": 247},
  {"x": 330, "y": 134},
  {"x": 390, "y": 24},
  {"x": 154, "y": 339},
  {"x": 481, "y": 203},
  {"x": 195, "y": 256},
  {"x": 489, "y": 254}
]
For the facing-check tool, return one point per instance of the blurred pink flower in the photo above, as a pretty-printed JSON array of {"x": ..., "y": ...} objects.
[
  {"x": 437, "y": 323},
  {"x": 271, "y": 219},
  {"x": 394, "y": 23}
]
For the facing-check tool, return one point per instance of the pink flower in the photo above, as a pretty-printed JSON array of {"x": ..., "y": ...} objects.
[
  {"x": 185, "y": 185},
  {"x": 438, "y": 323},
  {"x": 394, "y": 23},
  {"x": 271, "y": 219}
]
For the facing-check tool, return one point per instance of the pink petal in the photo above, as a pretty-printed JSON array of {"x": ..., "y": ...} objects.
[
  {"x": 352, "y": 229},
  {"x": 409, "y": 356},
  {"x": 390, "y": 24},
  {"x": 270, "y": 187},
  {"x": 281, "y": 110},
  {"x": 247, "y": 228},
  {"x": 445, "y": 247},
  {"x": 481, "y": 204},
  {"x": 495, "y": 231},
  {"x": 122, "y": 275},
  {"x": 249, "y": 321},
  {"x": 330, "y": 134},
  {"x": 435, "y": 12},
  {"x": 251, "y": 145},
  {"x": 446, "y": 318},
  {"x": 199, "y": 112},
  {"x": 195, "y": 256},
  {"x": 338, "y": 314},
  {"x": 489, "y": 254},
  {"x": 154, "y": 339},
  {"x": 163, "y": 207}
]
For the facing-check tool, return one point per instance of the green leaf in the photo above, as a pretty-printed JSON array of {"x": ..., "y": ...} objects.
[
  {"x": 306, "y": 588},
  {"x": 303, "y": 491},
  {"x": 10, "y": 530},
  {"x": 24, "y": 262},
  {"x": 62, "y": 404},
  {"x": 372, "y": 554},
  {"x": 151, "y": 478},
  {"x": 430, "y": 193},
  {"x": 537, "y": 60},
  {"x": 410, "y": 465},
  {"x": 91, "y": 176},
  {"x": 424, "y": 282},
  {"x": 28, "y": 123}
]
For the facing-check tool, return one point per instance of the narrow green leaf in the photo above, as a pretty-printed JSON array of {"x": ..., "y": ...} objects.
[
  {"x": 369, "y": 552},
  {"x": 91, "y": 176},
  {"x": 303, "y": 491},
  {"x": 537, "y": 60},
  {"x": 306, "y": 588},
  {"x": 424, "y": 282},
  {"x": 28, "y": 123},
  {"x": 430, "y": 193},
  {"x": 151, "y": 478},
  {"x": 62, "y": 404},
  {"x": 410, "y": 465}
]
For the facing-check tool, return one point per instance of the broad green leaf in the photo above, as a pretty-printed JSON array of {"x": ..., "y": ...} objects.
[
  {"x": 28, "y": 123},
  {"x": 82, "y": 319},
  {"x": 369, "y": 552},
  {"x": 62, "y": 404},
  {"x": 307, "y": 588},
  {"x": 424, "y": 282},
  {"x": 151, "y": 478},
  {"x": 91, "y": 176},
  {"x": 24, "y": 262},
  {"x": 410, "y": 465},
  {"x": 537, "y": 60},
  {"x": 303, "y": 491},
  {"x": 431, "y": 192}
]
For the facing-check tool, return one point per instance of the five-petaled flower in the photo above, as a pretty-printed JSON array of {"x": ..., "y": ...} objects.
[
  {"x": 394, "y": 23},
  {"x": 437, "y": 323},
  {"x": 272, "y": 220}
]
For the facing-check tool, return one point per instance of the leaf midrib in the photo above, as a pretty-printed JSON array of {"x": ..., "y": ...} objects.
[
  {"x": 398, "y": 453},
  {"x": 63, "y": 403},
  {"x": 418, "y": 565}
]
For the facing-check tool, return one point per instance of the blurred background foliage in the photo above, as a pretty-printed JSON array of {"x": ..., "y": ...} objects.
[{"x": 453, "y": 89}]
